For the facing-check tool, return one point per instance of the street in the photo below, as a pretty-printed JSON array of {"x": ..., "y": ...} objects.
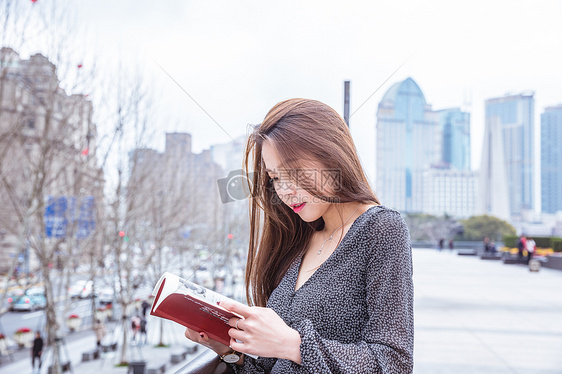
[{"x": 12, "y": 321}]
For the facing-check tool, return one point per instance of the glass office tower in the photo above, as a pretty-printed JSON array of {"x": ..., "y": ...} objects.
[
  {"x": 551, "y": 159},
  {"x": 510, "y": 119},
  {"x": 455, "y": 128},
  {"x": 408, "y": 140}
]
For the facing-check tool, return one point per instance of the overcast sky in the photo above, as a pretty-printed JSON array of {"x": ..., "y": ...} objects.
[{"x": 236, "y": 59}]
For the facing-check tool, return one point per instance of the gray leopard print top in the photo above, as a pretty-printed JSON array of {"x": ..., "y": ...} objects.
[{"x": 355, "y": 313}]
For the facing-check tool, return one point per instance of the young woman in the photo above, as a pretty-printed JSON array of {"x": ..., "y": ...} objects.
[{"x": 329, "y": 272}]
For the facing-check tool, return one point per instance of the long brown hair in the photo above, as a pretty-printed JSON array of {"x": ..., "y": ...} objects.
[{"x": 301, "y": 131}]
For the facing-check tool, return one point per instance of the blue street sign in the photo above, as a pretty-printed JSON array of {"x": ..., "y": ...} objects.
[
  {"x": 86, "y": 218},
  {"x": 62, "y": 210},
  {"x": 55, "y": 217}
]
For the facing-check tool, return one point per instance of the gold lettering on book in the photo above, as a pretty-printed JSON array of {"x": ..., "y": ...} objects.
[{"x": 214, "y": 313}]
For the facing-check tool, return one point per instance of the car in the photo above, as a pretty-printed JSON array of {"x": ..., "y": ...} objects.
[
  {"x": 106, "y": 295},
  {"x": 81, "y": 289},
  {"x": 32, "y": 299},
  {"x": 13, "y": 296}
]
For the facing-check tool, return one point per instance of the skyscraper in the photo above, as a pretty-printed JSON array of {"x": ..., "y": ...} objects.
[
  {"x": 455, "y": 127},
  {"x": 449, "y": 191},
  {"x": 551, "y": 159},
  {"x": 408, "y": 140},
  {"x": 507, "y": 170},
  {"x": 492, "y": 187}
]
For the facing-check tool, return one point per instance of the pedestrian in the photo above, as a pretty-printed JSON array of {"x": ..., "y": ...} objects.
[
  {"x": 99, "y": 329},
  {"x": 142, "y": 330},
  {"x": 451, "y": 244},
  {"x": 486, "y": 245},
  {"x": 135, "y": 326},
  {"x": 329, "y": 269},
  {"x": 145, "y": 305},
  {"x": 530, "y": 246},
  {"x": 37, "y": 351},
  {"x": 521, "y": 245},
  {"x": 441, "y": 244}
]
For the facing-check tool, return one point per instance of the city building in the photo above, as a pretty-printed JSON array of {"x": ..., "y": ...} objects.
[
  {"x": 408, "y": 140},
  {"x": 455, "y": 128},
  {"x": 51, "y": 181},
  {"x": 233, "y": 190},
  {"x": 229, "y": 155},
  {"x": 175, "y": 192},
  {"x": 493, "y": 196},
  {"x": 507, "y": 172},
  {"x": 448, "y": 191},
  {"x": 551, "y": 160}
]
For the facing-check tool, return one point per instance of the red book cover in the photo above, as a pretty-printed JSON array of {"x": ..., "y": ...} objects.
[{"x": 191, "y": 305}]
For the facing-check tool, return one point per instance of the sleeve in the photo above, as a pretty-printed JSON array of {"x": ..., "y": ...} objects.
[
  {"x": 254, "y": 366},
  {"x": 386, "y": 343}
]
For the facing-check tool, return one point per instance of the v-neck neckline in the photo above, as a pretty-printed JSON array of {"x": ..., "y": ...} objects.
[{"x": 323, "y": 264}]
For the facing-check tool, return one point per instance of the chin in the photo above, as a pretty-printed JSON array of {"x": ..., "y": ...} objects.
[
  {"x": 309, "y": 216},
  {"x": 308, "y": 219}
]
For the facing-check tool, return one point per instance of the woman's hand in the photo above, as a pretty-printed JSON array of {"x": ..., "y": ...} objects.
[
  {"x": 203, "y": 339},
  {"x": 262, "y": 332}
]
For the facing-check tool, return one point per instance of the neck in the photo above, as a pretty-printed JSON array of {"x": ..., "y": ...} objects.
[{"x": 340, "y": 216}]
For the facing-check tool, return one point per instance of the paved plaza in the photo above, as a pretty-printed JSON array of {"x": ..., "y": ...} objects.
[
  {"x": 484, "y": 317},
  {"x": 471, "y": 316}
]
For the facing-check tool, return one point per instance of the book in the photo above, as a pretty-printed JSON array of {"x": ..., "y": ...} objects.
[{"x": 193, "y": 306}]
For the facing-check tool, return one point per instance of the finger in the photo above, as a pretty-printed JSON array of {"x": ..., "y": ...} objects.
[
  {"x": 237, "y": 334},
  {"x": 237, "y": 346},
  {"x": 204, "y": 339},
  {"x": 191, "y": 334},
  {"x": 236, "y": 322},
  {"x": 198, "y": 337},
  {"x": 236, "y": 307}
]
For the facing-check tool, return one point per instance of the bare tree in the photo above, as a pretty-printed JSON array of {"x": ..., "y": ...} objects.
[
  {"x": 164, "y": 203},
  {"x": 42, "y": 157},
  {"x": 131, "y": 115},
  {"x": 69, "y": 192},
  {"x": 46, "y": 141}
]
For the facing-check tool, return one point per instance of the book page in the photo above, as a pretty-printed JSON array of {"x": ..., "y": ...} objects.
[
  {"x": 175, "y": 284},
  {"x": 189, "y": 288}
]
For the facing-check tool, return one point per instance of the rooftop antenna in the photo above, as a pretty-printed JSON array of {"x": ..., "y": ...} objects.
[{"x": 346, "y": 85}]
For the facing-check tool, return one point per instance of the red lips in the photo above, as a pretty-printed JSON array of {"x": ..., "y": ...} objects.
[{"x": 297, "y": 207}]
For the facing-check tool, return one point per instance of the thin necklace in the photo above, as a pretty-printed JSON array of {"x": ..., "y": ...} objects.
[{"x": 332, "y": 236}]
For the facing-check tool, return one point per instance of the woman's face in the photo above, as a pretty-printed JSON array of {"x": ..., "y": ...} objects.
[{"x": 289, "y": 190}]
